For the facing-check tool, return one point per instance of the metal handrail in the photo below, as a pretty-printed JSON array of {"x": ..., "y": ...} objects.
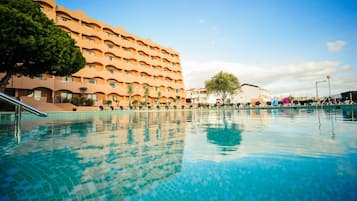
[{"x": 24, "y": 106}]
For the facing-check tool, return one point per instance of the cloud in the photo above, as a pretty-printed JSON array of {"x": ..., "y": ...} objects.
[
  {"x": 201, "y": 21},
  {"x": 335, "y": 46},
  {"x": 346, "y": 68},
  {"x": 291, "y": 79}
]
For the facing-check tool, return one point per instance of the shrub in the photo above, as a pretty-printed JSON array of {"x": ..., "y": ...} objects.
[
  {"x": 89, "y": 102},
  {"x": 66, "y": 100},
  {"x": 76, "y": 101},
  {"x": 107, "y": 102}
]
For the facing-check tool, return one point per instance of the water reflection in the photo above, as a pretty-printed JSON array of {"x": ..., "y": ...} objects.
[
  {"x": 231, "y": 135},
  {"x": 227, "y": 137},
  {"x": 100, "y": 157},
  {"x": 349, "y": 115},
  {"x": 224, "y": 133}
]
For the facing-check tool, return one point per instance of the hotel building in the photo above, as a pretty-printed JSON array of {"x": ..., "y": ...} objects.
[{"x": 115, "y": 59}]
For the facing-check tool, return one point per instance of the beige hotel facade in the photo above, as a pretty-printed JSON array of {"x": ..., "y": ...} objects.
[{"x": 115, "y": 59}]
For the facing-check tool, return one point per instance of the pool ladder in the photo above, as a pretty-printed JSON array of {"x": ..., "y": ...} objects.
[{"x": 19, "y": 105}]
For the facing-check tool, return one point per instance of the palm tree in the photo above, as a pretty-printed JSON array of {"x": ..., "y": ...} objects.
[
  {"x": 158, "y": 97},
  {"x": 146, "y": 93},
  {"x": 177, "y": 99},
  {"x": 130, "y": 92}
]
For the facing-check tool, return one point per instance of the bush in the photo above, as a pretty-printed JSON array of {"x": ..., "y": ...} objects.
[
  {"x": 135, "y": 102},
  {"x": 89, "y": 102},
  {"x": 107, "y": 102},
  {"x": 66, "y": 100},
  {"x": 76, "y": 101}
]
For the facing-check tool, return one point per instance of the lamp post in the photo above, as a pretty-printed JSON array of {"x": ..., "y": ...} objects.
[
  {"x": 317, "y": 89},
  {"x": 329, "y": 85},
  {"x": 54, "y": 86}
]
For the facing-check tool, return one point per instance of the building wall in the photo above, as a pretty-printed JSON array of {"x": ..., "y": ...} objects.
[
  {"x": 200, "y": 96},
  {"x": 115, "y": 59},
  {"x": 247, "y": 93}
]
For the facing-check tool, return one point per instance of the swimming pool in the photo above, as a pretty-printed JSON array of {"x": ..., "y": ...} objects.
[{"x": 305, "y": 154}]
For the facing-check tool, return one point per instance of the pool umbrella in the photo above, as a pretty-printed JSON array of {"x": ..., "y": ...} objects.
[{"x": 286, "y": 101}]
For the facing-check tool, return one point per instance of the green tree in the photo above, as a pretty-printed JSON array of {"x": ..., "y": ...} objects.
[
  {"x": 31, "y": 44},
  {"x": 222, "y": 84},
  {"x": 130, "y": 92}
]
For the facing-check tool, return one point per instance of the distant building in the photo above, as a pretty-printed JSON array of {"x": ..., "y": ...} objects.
[
  {"x": 200, "y": 96},
  {"x": 349, "y": 96},
  {"x": 247, "y": 94}
]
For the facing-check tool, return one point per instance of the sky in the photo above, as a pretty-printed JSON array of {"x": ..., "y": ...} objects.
[{"x": 284, "y": 46}]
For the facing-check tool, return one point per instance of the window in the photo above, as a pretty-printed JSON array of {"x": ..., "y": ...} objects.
[
  {"x": 90, "y": 52},
  {"x": 66, "y": 95},
  {"x": 92, "y": 81},
  {"x": 89, "y": 25},
  {"x": 66, "y": 79},
  {"x": 156, "y": 88},
  {"x": 177, "y": 90},
  {"x": 110, "y": 58},
  {"x": 111, "y": 71},
  {"x": 90, "y": 39},
  {"x": 110, "y": 46},
  {"x": 112, "y": 84},
  {"x": 113, "y": 98},
  {"x": 92, "y": 96},
  {"x": 90, "y": 66},
  {"x": 65, "y": 19},
  {"x": 37, "y": 94}
]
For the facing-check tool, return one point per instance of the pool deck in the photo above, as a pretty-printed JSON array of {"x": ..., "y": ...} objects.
[
  {"x": 332, "y": 106},
  {"x": 293, "y": 107}
]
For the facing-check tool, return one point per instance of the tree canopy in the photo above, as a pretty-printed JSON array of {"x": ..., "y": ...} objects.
[
  {"x": 222, "y": 84},
  {"x": 31, "y": 44}
]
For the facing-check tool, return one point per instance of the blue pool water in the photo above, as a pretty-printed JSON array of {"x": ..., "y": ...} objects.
[{"x": 204, "y": 155}]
